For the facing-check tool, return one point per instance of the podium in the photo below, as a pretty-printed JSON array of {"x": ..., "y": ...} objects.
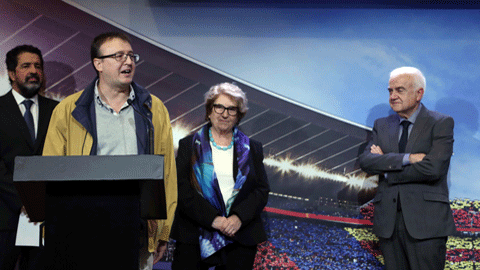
[{"x": 94, "y": 207}]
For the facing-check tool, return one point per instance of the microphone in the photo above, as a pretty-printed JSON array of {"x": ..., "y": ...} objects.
[{"x": 150, "y": 128}]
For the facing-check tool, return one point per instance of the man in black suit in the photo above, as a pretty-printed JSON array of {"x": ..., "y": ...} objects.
[
  {"x": 411, "y": 152},
  {"x": 22, "y": 133}
]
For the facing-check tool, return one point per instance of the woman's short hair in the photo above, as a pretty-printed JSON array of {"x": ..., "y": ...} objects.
[{"x": 228, "y": 89}]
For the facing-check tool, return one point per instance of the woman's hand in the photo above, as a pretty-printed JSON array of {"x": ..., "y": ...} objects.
[
  {"x": 219, "y": 223},
  {"x": 228, "y": 226},
  {"x": 232, "y": 226}
]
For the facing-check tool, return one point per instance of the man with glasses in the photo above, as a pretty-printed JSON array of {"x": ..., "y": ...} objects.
[{"x": 109, "y": 118}]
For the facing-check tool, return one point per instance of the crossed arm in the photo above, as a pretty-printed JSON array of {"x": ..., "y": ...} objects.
[
  {"x": 413, "y": 158},
  {"x": 430, "y": 163}
]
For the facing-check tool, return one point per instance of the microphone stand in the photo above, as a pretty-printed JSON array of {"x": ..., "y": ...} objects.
[
  {"x": 151, "y": 145},
  {"x": 147, "y": 185}
]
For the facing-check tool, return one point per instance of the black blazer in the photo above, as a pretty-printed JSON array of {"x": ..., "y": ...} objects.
[
  {"x": 15, "y": 141},
  {"x": 193, "y": 211},
  {"x": 422, "y": 186}
]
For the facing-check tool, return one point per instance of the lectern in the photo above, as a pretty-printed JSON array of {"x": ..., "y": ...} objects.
[{"x": 94, "y": 207}]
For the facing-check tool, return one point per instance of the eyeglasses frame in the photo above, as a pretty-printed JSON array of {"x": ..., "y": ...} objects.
[
  {"x": 133, "y": 56},
  {"x": 229, "y": 109}
]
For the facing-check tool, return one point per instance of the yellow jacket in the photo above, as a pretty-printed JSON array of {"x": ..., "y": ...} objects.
[{"x": 67, "y": 137}]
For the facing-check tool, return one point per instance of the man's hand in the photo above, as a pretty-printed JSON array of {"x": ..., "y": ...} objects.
[
  {"x": 374, "y": 149},
  {"x": 24, "y": 211},
  {"x": 414, "y": 158},
  {"x": 159, "y": 251}
]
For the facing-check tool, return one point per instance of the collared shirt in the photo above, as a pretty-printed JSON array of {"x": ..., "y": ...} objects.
[
  {"x": 116, "y": 132},
  {"x": 107, "y": 107},
  {"x": 34, "y": 109},
  {"x": 412, "y": 120}
]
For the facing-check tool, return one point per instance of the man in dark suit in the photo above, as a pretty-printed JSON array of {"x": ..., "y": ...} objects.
[
  {"x": 22, "y": 133},
  {"x": 412, "y": 215}
]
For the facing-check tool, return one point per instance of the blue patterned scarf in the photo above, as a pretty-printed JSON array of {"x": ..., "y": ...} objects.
[{"x": 207, "y": 184}]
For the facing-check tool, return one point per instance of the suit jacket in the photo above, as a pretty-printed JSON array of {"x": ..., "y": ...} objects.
[
  {"x": 15, "y": 141},
  {"x": 193, "y": 211},
  {"x": 422, "y": 187}
]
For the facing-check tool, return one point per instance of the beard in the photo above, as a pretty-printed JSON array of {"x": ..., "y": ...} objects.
[{"x": 30, "y": 89}]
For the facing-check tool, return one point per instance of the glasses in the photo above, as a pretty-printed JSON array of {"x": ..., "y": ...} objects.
[
  {"x": 218, "y": 108},
  {"x": 122, "y": 57}
]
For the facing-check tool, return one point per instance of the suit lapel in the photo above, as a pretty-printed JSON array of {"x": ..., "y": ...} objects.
[
  {"x": 393, "y": 130},
  {"x": 21, "y": 127},
  {"x": 418, "y": 128}
]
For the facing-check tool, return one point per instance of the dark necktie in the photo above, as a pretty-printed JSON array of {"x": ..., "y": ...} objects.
[
  {"x": 403, "y": 140},
  {"x": 29, "y": 118},
  {"x": 401, "y": 149}
]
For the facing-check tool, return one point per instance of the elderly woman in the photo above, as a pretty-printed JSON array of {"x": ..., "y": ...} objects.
[{"x": 222, "y": 189}]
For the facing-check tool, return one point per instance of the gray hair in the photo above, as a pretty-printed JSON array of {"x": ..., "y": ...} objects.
[
  {"x": 231, "y": 90},
  {"x": 418, "y": 78}
]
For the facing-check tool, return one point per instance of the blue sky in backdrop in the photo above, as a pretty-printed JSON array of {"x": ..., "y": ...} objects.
[{"x": 331, "y": 59}]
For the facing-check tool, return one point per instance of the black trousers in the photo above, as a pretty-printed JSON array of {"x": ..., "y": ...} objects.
[
  {"x": 8, "y": 252},
  {"x": 232, "y": 257},
  {"x": 30, "y": 257},
  {"x": 403, "y": 252}
]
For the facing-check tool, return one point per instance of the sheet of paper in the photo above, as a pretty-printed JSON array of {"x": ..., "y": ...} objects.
[{"x": 28, "y": 234}]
